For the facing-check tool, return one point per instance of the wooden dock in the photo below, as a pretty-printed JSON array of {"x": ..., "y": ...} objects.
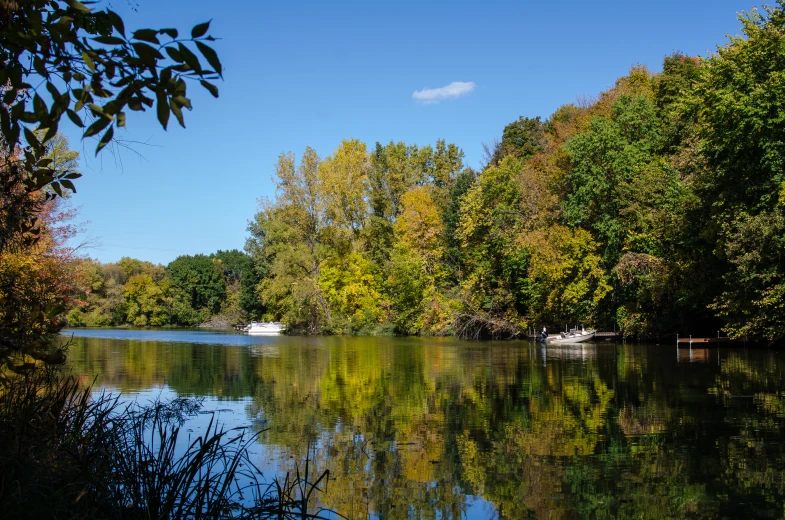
[{"x": 702, "y": 341}]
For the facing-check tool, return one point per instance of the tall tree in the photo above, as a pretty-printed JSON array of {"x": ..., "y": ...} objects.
[
  {"x": 201, "y": 278},
  {"x": 742, "y": 137},
  {"x": 287, "y": 242}
]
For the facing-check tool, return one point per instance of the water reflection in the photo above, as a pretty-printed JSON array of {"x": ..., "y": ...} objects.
[{"x": 436, "y": 428}]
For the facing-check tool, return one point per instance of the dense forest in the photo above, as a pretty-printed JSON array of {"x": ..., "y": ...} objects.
[
  {"x": 217, "y": 290},
  {"x": 655, "y": 208}
]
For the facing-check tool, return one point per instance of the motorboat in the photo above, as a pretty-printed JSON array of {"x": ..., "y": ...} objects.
[
  {"x": 572, "y": 336},
  {"x": 265, "y": 327}
]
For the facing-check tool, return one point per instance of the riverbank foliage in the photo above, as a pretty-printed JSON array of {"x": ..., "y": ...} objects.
[
  {"x": 191, "y": 290},
  {"x": 653, "y": 209}
]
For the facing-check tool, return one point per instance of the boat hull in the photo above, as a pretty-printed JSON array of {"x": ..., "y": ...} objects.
[
  {"x": 265, "y": 329},
  {"x": 570, "y": 340}
]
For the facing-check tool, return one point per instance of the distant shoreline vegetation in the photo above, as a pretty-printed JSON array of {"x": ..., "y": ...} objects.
[{"x": 656, "y": 208}]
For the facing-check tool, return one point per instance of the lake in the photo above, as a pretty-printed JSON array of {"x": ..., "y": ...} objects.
[{"x": 442, "y": 428}]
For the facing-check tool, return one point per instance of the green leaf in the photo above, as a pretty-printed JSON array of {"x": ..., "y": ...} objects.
[
  {"x": 105, "y": 139},
  {"x": 178, "y": 113},
  {"x": 88, "y": 61},
  {"x": 209, "y": 86},
  {"x": 96, "y": 127},
  {"x": 68, "y": 184},
  {"x": 60, "y": 104},
  {"x": 182, "y": 101},
  {"x": 200, "y": 30},
  {"x": 163, "y": 108},
  {"x": 147, "y": 35},
  {"x": 121, "y": 119},
  {"x": 172, "y": 33},
  {"x": 78, "y": 6},
  {"x": 50, "y": 132},
  {"x": 39, "y": 107},
  {"x": 31, "y": 139},
  {"x": 174, "y": 54},
  {"x": 149, "y": 55},
  {"x": 52, "y": 90},
  {"x": 65, "y": 21},
  {"x": 97, "y": 110},
  {"x": 109, "y": 40},
  {"x": 166, "y": 75},
  {"x": 190, "y": 58},
  {"x": 40, "y": 67},
  {"x": 211, "y": 57},
  {"x": 72, "y": 175},
  {"x": 27, "y": 117},
  {"x": 116, "y": 22},
  {"x": 56, "y": 186}
]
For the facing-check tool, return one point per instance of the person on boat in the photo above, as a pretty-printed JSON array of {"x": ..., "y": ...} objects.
[{"x": 544, "y": 334}]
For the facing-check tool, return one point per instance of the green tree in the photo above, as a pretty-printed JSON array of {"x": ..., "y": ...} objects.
[
  {"x": 146, "y": 305},
  {"x": 351, "y": 291},
  {"x": 742, "y": 137},
  {"x": 81, "y": 61},
  {"x": 239, "y": 270},
  {"x": 489, "y": 228},
  {"x": 395, "y": 168},
  {"x": 604, "y": 160},
  {"x": 522, "y": 138},
  {"x": 343, "y": 182},
  {"x": 201, "y": 278},
  {"x": 287, "y": 243},
  {"x": 63, "y": 58}
]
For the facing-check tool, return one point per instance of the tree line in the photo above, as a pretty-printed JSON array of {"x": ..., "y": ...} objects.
[
  {"x": 655, "y": 208},
  {"x": 191, "y": 290}
]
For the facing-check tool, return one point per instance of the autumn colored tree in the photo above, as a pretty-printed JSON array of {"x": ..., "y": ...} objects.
[{"x": 62, "y": 58}]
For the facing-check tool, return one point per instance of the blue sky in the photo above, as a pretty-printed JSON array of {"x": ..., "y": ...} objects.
[{"x": 303, "y": 74}]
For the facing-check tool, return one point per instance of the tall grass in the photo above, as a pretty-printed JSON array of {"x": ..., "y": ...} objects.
[{"x": 66, "y": 453}]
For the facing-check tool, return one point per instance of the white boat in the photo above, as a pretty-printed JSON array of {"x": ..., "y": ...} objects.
[
  {"x": 573, "y": 336},
  {"x": 265, "y": 327}
]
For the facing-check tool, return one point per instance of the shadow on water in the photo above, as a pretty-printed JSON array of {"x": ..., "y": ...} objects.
[{"x": 439, "y": 428}]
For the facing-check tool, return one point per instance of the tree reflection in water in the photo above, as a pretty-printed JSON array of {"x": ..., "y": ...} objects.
[{"x": 436, "y": 428}]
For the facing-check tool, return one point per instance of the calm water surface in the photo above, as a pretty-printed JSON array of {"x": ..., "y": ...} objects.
[{"x": 438, "y": 428}]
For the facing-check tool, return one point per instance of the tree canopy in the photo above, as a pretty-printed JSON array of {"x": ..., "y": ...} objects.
[{"x": 64, "y": 58}]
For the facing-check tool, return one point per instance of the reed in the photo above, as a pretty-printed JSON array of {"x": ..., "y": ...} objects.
[{"x": 66, "y": 452}]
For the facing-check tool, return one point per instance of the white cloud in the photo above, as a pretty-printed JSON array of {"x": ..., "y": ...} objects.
[{"x": 454, "y": 90}]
